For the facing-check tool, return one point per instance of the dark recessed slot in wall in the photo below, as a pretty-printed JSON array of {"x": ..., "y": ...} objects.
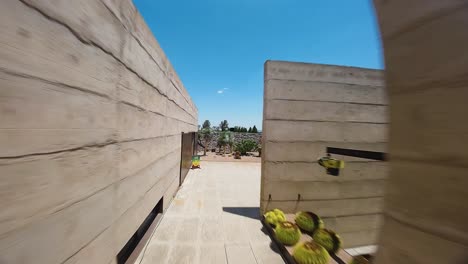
[{"x": 132, "y": 243}]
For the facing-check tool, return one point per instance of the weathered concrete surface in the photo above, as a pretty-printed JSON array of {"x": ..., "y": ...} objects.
[
  {"x": 426, "y": 206},
  {"x": 308, "y": 107},
  {"x": 91, "y": 113},
  {"x": 214, "y": 218}
]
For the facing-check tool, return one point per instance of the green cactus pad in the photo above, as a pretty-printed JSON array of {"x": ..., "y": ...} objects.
[
  {"x": 287, "y": 233},
  {"x": 327, "y": 239},
  {"x": 308, "y": 221},
  {"x": 274, "y": 217},
  {"x": 310, "y": 253}
]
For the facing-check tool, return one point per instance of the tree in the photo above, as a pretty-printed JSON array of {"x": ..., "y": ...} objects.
[
  {"x": 250, "y": 130},
  {"x": 225, "y": 139},
  {"x": 206, "y": 124},
  {"x": 254, "y": 129},
  {"x": 224, "y": 125},
  {"x": 206, "y": 135}
]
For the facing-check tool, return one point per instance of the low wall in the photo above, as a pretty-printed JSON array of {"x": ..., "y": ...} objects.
[
  {"x": 308, "y": 107},
  {"x": 91, "y": 115}
]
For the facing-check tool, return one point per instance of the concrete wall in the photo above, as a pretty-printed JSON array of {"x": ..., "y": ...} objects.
[
  {"x": 91, "y": 113},
  {"x": 308, "y": 107},
  {"x": 426, "y": 203}
]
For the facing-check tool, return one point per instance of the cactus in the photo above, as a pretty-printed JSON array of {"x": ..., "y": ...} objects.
[
  {"x": 308, "y": 221},
  {"x": 275, "y": 217},
  {"x": 310, "y": 253},
  {"x": 287, "y": 233},
  {"x": 327, "y": 239}
]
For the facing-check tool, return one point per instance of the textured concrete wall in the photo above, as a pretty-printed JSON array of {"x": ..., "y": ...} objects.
[
  {"x": 91, "y": 113},
  {"x": 308, "y": 107},
  {"x": 426, "y": 204}
]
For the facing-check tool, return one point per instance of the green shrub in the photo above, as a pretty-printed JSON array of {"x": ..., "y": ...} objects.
[{"x": 245, "y": 146}]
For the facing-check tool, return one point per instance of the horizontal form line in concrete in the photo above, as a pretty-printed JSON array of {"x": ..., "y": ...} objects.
[
  {"x": 324, "y": 101},
  {"x": 326, "y": 121},
  {"x": 306, "y": 81}
]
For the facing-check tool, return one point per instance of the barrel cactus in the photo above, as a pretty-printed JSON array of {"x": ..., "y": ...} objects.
[
  {"x": 274, "y": 217},
  {"x": 308, "y": 221},
  {"x": 310, "y": 253},
  {"x": 287, "y": 233},
  {"x": 327, "y": 239}
]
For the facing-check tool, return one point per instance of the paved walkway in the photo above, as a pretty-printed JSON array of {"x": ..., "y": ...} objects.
[{"x": 214, "y": 219}]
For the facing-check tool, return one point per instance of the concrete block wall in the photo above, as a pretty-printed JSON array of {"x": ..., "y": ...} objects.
[
  {"x": 308, "y": 107},
  {"x": 91, "y": 115},
  {"x": 426, "y": 60}
]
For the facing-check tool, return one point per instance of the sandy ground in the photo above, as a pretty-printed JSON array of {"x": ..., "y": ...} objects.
[{"x": 211, "y": 156}]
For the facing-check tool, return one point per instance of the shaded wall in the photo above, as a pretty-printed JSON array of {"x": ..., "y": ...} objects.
[
  {"x": 308, "y": 107},
  {"x": 91, "y": 115},
  {"x": 426, "y": 204}
]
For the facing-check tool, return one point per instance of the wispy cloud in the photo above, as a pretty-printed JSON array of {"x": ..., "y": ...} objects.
[{"x": 222, "y": 90}]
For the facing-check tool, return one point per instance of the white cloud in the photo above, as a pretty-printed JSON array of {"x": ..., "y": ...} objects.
[
  {"x": 220, "y": 91},
  {"x": 225, "y": 88}
]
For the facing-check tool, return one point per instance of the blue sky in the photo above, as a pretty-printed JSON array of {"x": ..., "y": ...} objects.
[{"x": 218, "y": 47}]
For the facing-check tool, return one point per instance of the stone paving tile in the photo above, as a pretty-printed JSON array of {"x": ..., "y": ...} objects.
[
  {"x": 213, "y": 254},
  {"x": 182, "y": 254},
  {"x": 214, "y": 219},
  {"x": 156, "y": 253},
  {"x": 266, "y": 253},
  {"x": 212, "y": 229},
  {"x": 188, "y": 230},
  {"x": 240, "y": 254},
  {"x": 166, "y": 230}
]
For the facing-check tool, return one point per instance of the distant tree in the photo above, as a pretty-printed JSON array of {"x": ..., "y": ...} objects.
[
  {"x": 215, "y": 128},
  {"x": 206, "y": 134},
  {"x": 224, "y": 125},
  {"x": 225, "y": 139},
  {"x": 232, "y": 129},
  {"x": 250, "y": 130},
  {"x": 244, "y": 129},
  {"x": 254, "y": 129},
  {"x": 206, "y": 124}
]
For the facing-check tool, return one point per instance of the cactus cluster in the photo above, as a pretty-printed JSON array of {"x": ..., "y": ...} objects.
[
  {"x": 288, "y": 233},
  {"x": 274, "y": 217}
]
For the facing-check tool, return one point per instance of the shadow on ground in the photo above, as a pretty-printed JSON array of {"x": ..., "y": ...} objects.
[{"x": 251, "y": 212}]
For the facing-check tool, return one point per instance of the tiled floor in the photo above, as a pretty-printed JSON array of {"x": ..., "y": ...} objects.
[{"x": 214, "y": 219}]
